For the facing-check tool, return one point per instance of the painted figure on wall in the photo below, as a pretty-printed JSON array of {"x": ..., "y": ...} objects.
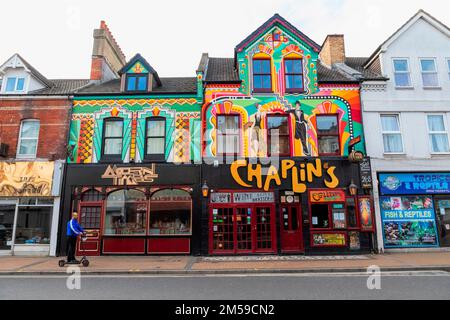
[
  {"x": 258, "y": 145},
  {"x": 301, "y": 126}
]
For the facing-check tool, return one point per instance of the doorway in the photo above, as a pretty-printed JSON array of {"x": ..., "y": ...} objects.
[
  {"x": 242, "y": 229},
  {"x": 8, "y": 214},
  {"x": 442, "y": 206},
  {"x": 291, "y": 228}
]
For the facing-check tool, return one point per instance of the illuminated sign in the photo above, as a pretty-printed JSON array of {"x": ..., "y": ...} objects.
[
  {"x": 130, "y": 176},
  {"x": 301, "y": 174},
  {"x": 327, "y": 196}
]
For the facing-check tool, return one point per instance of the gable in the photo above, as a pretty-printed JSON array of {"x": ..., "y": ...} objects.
[
  {"x": 138, "y": 67},
  {"x": 278, "y": 43}
]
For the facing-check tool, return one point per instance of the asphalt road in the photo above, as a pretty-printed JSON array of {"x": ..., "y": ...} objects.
[{"x": 418, "y": 285}]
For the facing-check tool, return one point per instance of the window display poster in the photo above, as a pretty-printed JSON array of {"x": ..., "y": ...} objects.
[
  {"x": 328, "y": 239},
  {"x": 365, "y": 214},
  {"x": 408, "y": 221},
  {"x": 353, "y": 237}
]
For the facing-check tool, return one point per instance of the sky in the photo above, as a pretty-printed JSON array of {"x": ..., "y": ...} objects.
[{"x": 55, "y": 36}]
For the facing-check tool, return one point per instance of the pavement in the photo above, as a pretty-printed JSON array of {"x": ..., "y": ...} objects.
[{"x": 422, "y": 261}]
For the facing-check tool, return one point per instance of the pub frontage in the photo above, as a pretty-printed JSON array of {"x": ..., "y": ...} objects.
[
  {"x": 134, "y": 209},
  {"x": 291, "y": 206}
]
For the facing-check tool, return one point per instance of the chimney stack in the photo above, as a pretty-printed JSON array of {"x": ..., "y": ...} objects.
[
  {"x": 333, "y": 50},
  {"x": 107, "y": 56}
]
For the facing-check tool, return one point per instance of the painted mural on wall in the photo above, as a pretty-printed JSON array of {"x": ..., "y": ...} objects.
[
  {"x": 302, "y": 106},
  {"x": 182, "y": 131},
  {"x": 26, "y": 179},
  {"x": 302, "y": 111}
]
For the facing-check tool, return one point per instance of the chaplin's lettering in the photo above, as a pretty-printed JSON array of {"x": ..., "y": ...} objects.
[{"x": 300, "y": 174}]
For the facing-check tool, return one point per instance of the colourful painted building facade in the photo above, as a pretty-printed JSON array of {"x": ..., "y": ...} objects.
[{"x": 255, "y": 154}]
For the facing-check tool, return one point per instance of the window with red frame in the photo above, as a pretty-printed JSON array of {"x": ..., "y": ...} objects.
[
  {"x": 278, "y": 135},
  {"x": 262, "y": 77},
  {"x": 293, "y": 75},
  {"x": 328, "y": 134},
  {"x": 228, "y": 134}
]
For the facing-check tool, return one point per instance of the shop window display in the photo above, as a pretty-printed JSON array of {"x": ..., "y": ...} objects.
[
  {"x": 33, "y": 222},
  {"x": 320, "y": 216},
  {"x": 126, "y": 212},
  {"x": 170, "y": 212}
]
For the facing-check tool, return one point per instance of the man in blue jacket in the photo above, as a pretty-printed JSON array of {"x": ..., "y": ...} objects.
[{"x": 73, "y": 231}]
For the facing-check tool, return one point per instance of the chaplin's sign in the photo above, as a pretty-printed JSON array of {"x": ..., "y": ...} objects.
[
  {"x": 130, "y": 176},
  {"x": 300, "y": 173}
]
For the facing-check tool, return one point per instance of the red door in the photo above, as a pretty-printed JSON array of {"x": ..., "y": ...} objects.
[
  {"x": 291, "y": 228},
  {"x": 90, "y": 220}
]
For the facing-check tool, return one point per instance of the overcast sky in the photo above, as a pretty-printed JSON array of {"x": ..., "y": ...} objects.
[{"x": 55, "y": 36}]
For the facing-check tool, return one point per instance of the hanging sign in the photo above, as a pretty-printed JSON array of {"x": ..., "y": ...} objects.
[{"x": 365, "y": 173}]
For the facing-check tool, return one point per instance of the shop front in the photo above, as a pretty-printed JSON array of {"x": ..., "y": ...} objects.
[
  {"x": 29, "y": 207},
  {"x": 133, "y": 209},
  {"x": 307, "y": 205},
  {"x": 415, "y": 209}
]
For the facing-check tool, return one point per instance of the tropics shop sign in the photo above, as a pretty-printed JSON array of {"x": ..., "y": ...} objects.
[
  {"x": 414, "y": 183},
  {"x": 300, "y": 174}
]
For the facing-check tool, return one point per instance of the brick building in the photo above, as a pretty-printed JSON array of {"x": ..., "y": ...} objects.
[{"x": 34, "y": 118}]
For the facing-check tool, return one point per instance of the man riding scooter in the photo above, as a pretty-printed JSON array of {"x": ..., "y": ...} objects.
[{"x": 73, "y": 231}]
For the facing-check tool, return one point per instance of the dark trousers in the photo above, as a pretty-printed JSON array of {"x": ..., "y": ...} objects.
[{"x": 71, "y": 246}]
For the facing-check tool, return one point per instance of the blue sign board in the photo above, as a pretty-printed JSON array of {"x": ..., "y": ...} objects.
[{"x": 414, "y": 183}]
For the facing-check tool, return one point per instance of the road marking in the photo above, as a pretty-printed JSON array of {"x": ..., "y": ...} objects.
[{"x": 242, "y": 275}]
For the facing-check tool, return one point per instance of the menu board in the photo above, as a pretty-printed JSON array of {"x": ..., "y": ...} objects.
[
  {"x": 408, "y": 221},
  {"x": 328, "y": 239}
]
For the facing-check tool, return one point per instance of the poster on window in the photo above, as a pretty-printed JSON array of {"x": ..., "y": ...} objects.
[
  {"x": 328, "y": 239},
  {"x": 408, "y": 221},
  {"x": 365, "y": 214}
]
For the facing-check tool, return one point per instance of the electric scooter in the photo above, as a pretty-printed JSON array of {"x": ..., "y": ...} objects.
[{"x": 83, "y": 261}]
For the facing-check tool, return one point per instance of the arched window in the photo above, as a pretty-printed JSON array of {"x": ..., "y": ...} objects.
[
  {"x": 28, "y": 138},
  {"x": 155, "y": 136},
  {"x": 170, "y": 212},
  {"x": 262, "y": 75},
  {"x": 112, "y": 138},
  {"x": 126, "y": 212},
  {"x": 91, "y": 195}
]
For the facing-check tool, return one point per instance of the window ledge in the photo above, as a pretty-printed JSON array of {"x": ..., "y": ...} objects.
[
  {"x": 432, "y": 88},
  {"x": 404, "y": 88},
  {"x": 393, "y": 155}
]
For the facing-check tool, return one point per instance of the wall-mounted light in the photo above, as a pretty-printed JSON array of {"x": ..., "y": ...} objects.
[
  {"x": 205, "y": 189},
  {"x": 353, "y": 188}
]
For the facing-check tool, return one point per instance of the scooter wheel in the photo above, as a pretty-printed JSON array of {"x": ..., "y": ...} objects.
[
  {"x": 85, "y": 263},
  {"x": 61, "y": 263}
]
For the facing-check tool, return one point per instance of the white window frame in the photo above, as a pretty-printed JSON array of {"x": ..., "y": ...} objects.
[
  {"x": 392, "y": 132},
  {"x": 429, "y": 72},
  {"x": 437, "y": 132},
  {"x": 406, "y": 72},
  {"x": 27, "y": 156},
  {"x": 16, "y": 81},
  {"x": 447, "y": 60}
]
